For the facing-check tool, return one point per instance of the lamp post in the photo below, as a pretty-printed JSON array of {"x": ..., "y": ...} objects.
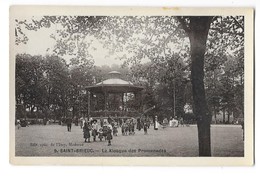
[
  {"x": 88, "y": 104},
  {"x": 174, "y": 98}
]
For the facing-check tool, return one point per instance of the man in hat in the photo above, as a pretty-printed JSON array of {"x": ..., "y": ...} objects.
[{"x": 69, "y": 122}]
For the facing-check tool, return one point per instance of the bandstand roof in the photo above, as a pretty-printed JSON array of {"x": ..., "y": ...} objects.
[{"x": 114, "y": 84}]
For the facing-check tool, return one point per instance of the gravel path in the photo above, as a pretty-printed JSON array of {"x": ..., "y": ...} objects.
[{"x": 54, "y": 140}]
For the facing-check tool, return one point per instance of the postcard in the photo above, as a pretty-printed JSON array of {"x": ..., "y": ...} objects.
[{"x": 149, "y": 86}]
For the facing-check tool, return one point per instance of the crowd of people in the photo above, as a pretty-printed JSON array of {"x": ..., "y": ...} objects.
[
  {"x": 171, "y": 122},
  {"x": 105, "y": 129}
]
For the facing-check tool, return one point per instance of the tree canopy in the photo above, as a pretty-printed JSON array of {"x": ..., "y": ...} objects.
[{"x": 180, "y": 60}]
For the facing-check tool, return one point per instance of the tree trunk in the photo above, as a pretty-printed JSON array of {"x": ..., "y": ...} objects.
[
  {"x": 224, "y": 115},
  {"x": 199, "y": 27},
  {"x": 215, "y": 114}
]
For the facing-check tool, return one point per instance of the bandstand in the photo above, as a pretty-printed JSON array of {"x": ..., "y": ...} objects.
[{"x": 114, "y": 98}]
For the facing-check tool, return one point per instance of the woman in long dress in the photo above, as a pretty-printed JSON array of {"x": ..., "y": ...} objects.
[
  {"x": 81, "y": 122},
  {"x": 86, "y": 130},
  {"x": 156, "y": 123},
  {"x": 171, "y": 122},
  {"x": 109, "y": 134}
]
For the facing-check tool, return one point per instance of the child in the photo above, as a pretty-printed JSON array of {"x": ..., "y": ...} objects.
[
  {"x": 109, "y": 134},
  {"x": 131, "y": 128},
  {"x": 126, "y": 128},
  {"x": 105, "y": 130},
  {"x": 86, "y": 130},
  {"x": 115, "y": 131},
  {"x": 123, "y": 128},
  {"x": 100, "y": 134}
]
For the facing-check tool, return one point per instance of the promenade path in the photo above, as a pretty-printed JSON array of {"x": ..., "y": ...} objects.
[{"x": 55, "y": 140}]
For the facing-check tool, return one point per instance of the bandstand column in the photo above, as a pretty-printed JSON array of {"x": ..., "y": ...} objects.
[
  {"x": 105, "y": 107},
  {"x": 139, "y": 99},
  {"x": 125, "y": 101},
  {"x": 122, "y": 97}
]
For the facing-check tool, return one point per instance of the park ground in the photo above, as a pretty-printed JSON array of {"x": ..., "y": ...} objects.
[{"x": 55, "y": 140}]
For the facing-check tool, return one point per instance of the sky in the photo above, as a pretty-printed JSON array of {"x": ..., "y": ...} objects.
[{"x": 40, "y": 41}]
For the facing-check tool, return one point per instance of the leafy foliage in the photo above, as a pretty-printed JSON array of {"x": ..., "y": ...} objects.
[{"x": 185, "y": 60}]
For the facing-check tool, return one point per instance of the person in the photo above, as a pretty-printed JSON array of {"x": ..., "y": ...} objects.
[
  {"x": 145, "y": 128},
  {"x": 109, "y": 120},
  {"x": 131, "y": 127},
  {"x": 139, "y": 124},
  {"x": 181, "y": 122},
  {"x": 242, "y": 126},
  {"x": 81, "y": 122},
  {"x": 24, "y": 123},
  {"x": 165, "y": 122},
  {"x": 156, "y": 123},
  {"x": 101, "y": 122},
  {"x": 126, "y": 127},
  {"x": 18, "y": 124},
  {"x": 86, "y": 131},
  {"x": 90, "y": 120},
  {"x": 171, "y": 122},
  {"x": 45, "y": 121},
  {"x": 94, "y": 129},
  {"x": 100, "y": 133},
  {"x": 109, "y": 134},
  {"x": 115, "y": 131},
  {"x": 105, "y": 130},
  {"x": 123, "y": 128},
  {"x": 147, "y": 122},
  {"x": 120, "y": 122},
  {"x": 63, "y": 121},
  {"x": 175, "y": 122},
  {"x": 76, "y": 121},
  {"x": 69, "y": 122}
]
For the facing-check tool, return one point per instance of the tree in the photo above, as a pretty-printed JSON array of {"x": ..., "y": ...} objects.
[
  {"x": 29, "y": 81},
  {"x": 197, "y": 29},
  {"x": 231, "y": 30},
  {"x": 198, "y": 40},
  {"x": 82, "y": 74},
  {"x": 213, "y": 90},
  {"x": 171, "y": 87},
  {"x": 57, "y": 85}
]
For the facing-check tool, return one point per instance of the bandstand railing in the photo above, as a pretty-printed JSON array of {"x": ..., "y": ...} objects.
[{"x": 122, "y": 114}]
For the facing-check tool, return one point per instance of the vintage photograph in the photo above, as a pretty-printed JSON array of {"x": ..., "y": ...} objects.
[{"x": 130, "y": 85}]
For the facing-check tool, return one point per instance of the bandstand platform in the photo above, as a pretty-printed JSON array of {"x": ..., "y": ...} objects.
[{"x": 114, "y": 98}]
